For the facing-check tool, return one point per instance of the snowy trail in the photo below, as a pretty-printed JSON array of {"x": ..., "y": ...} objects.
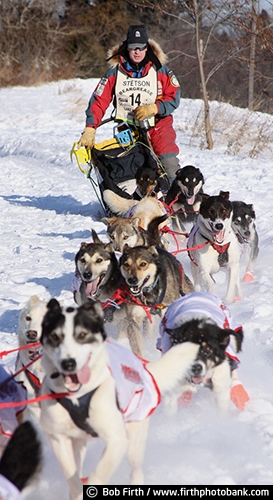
[{"x": 48, "y": 208}]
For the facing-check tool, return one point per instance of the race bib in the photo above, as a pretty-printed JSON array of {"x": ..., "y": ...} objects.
[{"x": 133, "y": 92}]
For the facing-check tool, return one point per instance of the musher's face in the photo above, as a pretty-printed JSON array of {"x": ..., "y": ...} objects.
[{"x": 137, "y": 55}]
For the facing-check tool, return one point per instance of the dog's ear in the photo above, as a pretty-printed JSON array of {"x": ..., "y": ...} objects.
[
  {"x": 93, "y": 308},
  {"x": 153, "y": 250},
  {"x": 54, "y": 310},
  {"x": 224, "y": 194},
  {"x": 84, "y": 244},
  {"x": 204, "y": 196},
  {"x": 109, "y": 247},
  {"x": 53, "y": 305},
  {"x": 201, "y": 176},
  {"x": 108, "y": 220},
  {"x": 34, "y": 299},
  {"x": 224, "y": 337},
  {"x": 237, "y": 337},
  {"x": 252, "y": 211},
  {"x": 135, "y": 222},
  {"x": 95, "y": 237},
  {"x": 95, "y": 317}
]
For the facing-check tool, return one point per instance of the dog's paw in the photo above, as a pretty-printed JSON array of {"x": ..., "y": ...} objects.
[
  {"x": 239, "y": 396},
  {"x": 248, "y": 277}
]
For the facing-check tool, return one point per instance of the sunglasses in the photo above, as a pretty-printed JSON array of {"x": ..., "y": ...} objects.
[{"x": 136, "y": 47}]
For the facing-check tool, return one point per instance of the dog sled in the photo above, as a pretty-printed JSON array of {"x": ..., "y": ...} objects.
[{"x": 113, "y": 163}]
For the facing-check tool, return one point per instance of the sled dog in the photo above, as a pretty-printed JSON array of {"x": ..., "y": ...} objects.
[
  {"x": 154, "y": 279},
  {"x": 146, "y": 209},
  {"x": 98, "y": 271},
  {"x": 29, "y": 332},
  {"x": 98, "y": 278},
  {"x": 212, "y": 245},
  {"x": 147, "y": 183},
  {"x": 105, "y": 391},
  {"x": 185, "y": 196},
  {"x": 243, "y": 224},
  {"x": 204, "y": 320},
  {"x": 126, "y": 231}
]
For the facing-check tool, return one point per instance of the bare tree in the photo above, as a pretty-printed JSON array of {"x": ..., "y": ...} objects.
[
  {"x": 206, "y": 19},
  {"x": 252, "y": 54}
]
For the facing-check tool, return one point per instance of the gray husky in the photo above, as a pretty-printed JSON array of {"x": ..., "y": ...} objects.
[
  {"x": 243, "y": 224},
  {"x": 154, "y": 279}
]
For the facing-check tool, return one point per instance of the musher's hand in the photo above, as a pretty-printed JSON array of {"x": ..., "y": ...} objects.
[
  {"x": 88, "y": 138},
  {"x": 145, "y": 111}
]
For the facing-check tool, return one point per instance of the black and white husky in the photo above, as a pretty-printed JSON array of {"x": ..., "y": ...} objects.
[
  {"x": 243, "y": 224},
  {"x": 185, "y": 196},
  {"x": 104, "y": 391},
  {"x": 213, "y": 245},
  {"x": 203, "y": 319}
]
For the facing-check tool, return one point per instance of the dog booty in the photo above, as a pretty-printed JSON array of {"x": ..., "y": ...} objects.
[
  {"x": 248, "y": 277},
  {"x": 238, "y": 395},
  {"x": 185, "y": 399}
]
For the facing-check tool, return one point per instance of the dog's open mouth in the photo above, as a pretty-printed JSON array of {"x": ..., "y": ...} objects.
[
  {"x": 197, "y": 380},
  {"x": 246, "y": 239},
  {"x": 204, "y": 381},
  {"x": 218, "y": 236},
  {"x": 191, "y": 200},
  {"x": 92, "y": 287},
  {"x": 137, "y": 289},
  {"x": 74, "y": 381}
]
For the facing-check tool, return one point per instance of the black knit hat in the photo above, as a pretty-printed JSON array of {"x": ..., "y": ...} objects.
[{"x": 137, "y": 37}]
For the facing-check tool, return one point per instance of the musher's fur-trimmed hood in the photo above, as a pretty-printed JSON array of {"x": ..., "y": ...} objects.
[{"x": 113, "y": 53}]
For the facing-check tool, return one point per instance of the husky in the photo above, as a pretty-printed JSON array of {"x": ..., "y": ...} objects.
[
  {"x": 105, "y": 391},
  {"x": 212, "y": 245},
  {"x": 98, "y": 278},
  {"x": 21, "y": 462},
  {"x": 98, "y": 271},
  {"x": 146, "y": 182},
  {"x": 29, "y": 332},
  {"x": 126, "y": 231},
  {"x": 243, "y": 224},
  {"x": 185, "y": 196},
  {"x": 146, "y": 209},
  {"x": 154, "y": 279},
  {"x": 202, "y": 318}
]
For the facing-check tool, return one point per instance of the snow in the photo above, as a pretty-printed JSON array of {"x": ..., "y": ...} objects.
[{"x": 48, "y": 208}]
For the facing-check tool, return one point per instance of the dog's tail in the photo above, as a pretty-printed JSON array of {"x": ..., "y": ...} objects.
[
  {"x": 117, "y": 204},
  {"x": 152, "y": 229},
  {"x": 22, "y": 457},
  {"x": 171, "y": 368}
]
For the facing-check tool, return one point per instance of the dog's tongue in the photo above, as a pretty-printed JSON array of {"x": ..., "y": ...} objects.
[
  {"x": 219, "y": 237},
  {"x": 91, "y": 287},
  {"x": 191, "y": 200},
  {"x": 197, "y": 380},
  {"x": 84, "y": 374},
  {"x": 75, "y": 380}
]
